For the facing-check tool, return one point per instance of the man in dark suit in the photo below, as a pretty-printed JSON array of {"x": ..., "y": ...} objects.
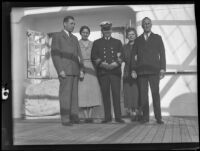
[
  {"x": 149, "y": 67},
  {"x": 106, "y": 56},
  {"x": 67, "y": 59}
]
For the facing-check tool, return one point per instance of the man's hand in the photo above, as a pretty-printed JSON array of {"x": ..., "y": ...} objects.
[
  {"x": 82, "y": 74},
  {"x": 162, "y": 74},
  {"x": 62, "y": 74},
  {"x": 104, "y": 65},
  {"x": 97, "y": 61},
  {"x": 113, "y": 65},
  {"x": 133, "y": 74}
]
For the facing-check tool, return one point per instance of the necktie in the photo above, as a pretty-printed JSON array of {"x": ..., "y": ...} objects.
[
  {"x": 69, "y": 35},
  {"x": 147, "y": 37}
]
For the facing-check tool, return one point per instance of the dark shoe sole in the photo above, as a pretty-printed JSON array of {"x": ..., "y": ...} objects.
[
  {"x": 67, "y": 124},
  {"x": 144, "y": 121},
  {"x": 120, "y": 121},
  {"x": 105, "y": 122},
  {"x": 160, "y": 122}
]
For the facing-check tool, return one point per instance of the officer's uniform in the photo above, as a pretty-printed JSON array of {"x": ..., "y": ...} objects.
[{"x": 108, "y": 50}]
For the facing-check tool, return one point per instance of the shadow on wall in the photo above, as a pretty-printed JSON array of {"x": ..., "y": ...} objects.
[{"x": 182, "y": 104}]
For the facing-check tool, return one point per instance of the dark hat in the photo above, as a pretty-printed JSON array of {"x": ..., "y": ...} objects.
[{"x": 106, "y": 25}]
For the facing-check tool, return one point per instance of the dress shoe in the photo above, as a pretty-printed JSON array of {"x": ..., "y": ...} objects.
[
  {"x": 75, "y": 121},
  {"x": 134, "y": 118},
  {"x": 67, "y": 124},
  {"x": 119, "y": 121},
  {"x": 139, "y": 117},
  {"x": 160, "y": 122},
  {"x": 144, "y": 121},
  {"x": 105, "y": 121},
  {"x": 89, "y": 120}
]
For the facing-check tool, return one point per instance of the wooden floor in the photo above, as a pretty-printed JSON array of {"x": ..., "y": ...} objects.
[{"x": 45, "y": 132}]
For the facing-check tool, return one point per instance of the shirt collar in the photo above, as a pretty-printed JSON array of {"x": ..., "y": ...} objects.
[
  {"x": 107, "y": 38},
  {"x": 147, "y": 34},
  {"x": 66, "y": 32}
]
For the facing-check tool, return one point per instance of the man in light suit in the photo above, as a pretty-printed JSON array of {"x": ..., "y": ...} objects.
[
  {"x": 149, "y": 67},
  {"x": 67, "y": 59},
  {"x": 106, "y": 56}
]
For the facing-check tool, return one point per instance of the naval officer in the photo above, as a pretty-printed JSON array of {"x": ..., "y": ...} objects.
[{"x": 107, "y": 57}]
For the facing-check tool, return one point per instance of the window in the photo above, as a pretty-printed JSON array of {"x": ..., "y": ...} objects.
[{"x": 38, "y": 55}]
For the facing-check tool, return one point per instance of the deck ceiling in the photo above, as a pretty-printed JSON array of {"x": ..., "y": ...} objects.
[{"x": 38, "y": 12}]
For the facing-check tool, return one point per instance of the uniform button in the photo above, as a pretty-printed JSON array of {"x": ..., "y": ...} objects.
[
  {"x": 112, "y": 51},
  {"x": 104, "y": 52},
  {"x": 104, "y": 48},
  {"x": 104, "y": 56}
]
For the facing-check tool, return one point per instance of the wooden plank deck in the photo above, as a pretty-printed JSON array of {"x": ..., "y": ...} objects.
[{"x": 50, "y": 131}]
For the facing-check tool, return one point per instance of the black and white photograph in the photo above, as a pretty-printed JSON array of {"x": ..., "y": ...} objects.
[{"x": 104, "y": 74}]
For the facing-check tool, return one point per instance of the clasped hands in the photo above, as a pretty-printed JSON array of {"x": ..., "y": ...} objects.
[{"x": 107, "y": 66}]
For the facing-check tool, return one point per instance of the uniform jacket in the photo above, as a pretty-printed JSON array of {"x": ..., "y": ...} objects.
[
  {"x": 150, "y": 55},
  {"x": 107, "y": 50},
  {"x": 66, "y": 53}
]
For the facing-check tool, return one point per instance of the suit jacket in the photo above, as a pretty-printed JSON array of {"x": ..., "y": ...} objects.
[
  {"x": 150, "y": 55},
  {"x": 107, "y": 50},
  {"x": 66, "y": 53}
]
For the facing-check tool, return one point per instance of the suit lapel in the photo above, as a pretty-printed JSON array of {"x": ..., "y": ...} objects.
[
  {"x": 65, "y": 35},
  {"x": 150, "y": 36},
  {"x": 142, "y": 37}
]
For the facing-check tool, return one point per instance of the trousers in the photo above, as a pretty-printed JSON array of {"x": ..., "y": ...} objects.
[
  {"x": 106, "y": 82},
  {"x": 68, "y": 97}
]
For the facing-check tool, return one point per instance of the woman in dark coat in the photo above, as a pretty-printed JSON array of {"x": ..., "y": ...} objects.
[{"x": 130, "y": 85}]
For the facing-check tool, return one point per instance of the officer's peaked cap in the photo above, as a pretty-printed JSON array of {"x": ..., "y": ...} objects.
[{"x": 106, "y": 25}]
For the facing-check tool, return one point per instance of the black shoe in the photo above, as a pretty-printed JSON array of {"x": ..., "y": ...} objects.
[
  {"x": 160, "y": 122},
  {"x": 144, "y": 121},
  {"x": 86, "y": 120},
  {"x": 67, "y": 124},
  {"x": 75, "y": 121},
  {"x": 139, "y": 117},
  {"x": 119, "y": 121},
  {"x": 134, "y": 118},
  {"x": 106, "y": 121},
  {"x": 90, "y": 120}
]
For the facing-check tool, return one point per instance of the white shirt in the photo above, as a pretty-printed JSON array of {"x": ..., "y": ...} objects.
[
  {"x": 66, "y": 32},
  {"x": 145, "y": 35},
  {"x": 107, "y": 38}
]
